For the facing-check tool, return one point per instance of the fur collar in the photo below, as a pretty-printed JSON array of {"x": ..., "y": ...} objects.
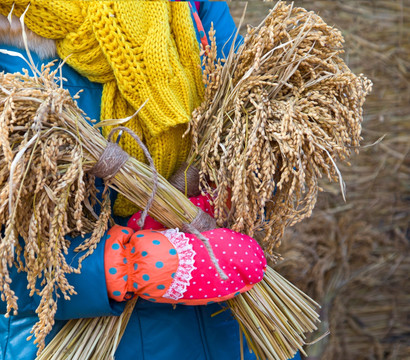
[{"x": 11, "y": 34}]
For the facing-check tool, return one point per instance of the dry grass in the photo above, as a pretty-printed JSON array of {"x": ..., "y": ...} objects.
[
  {"x": 40, "y": 170},
  {"x": 277, "y": 116},
  {"x": 275, "y": 317},
  {"x": 46, "y": 193},
  {"x": 353, "y": 258},
  {"x": 89, "y": 339}
]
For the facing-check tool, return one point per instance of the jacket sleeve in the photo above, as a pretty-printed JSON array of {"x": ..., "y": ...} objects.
[
  {"x": 92, "y": 296},
  {"x": 218, "y": 13},
  {"x": 91, "y": 299}
]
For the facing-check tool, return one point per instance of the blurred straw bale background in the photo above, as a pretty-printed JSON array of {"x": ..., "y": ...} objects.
[{"x": 354, "y": 257}]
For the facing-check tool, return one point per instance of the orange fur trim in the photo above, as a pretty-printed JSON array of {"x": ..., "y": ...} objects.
[{"x": 11, "y": 34}]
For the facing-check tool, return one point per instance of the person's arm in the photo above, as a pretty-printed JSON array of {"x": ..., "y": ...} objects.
[{"x": 91, "y": 299}]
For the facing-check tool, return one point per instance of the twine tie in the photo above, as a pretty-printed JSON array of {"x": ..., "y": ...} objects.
[{"x": 111, "y": 161}]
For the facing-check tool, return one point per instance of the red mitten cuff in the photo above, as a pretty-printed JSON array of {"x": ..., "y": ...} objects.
[
  {"x": 149, "y": 224},
  {"x": 204, "y": 203},
  {"x": 201, "y": 201}
]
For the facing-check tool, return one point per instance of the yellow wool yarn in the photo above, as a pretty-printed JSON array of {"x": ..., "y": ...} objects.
[{"x": 139, "y": 50}]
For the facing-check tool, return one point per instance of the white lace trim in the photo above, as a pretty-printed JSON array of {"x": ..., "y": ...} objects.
[{"x": 186, "y": 256}]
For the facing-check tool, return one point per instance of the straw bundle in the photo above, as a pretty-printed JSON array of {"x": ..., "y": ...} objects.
[
  {"x": 47, "y": 150},
  {"x": 276, "y": 117},
  {"x": 275, "y": 317},
  {"x": 47, "y": 147},
  {"x": 89, "y": 339},
  {"x": 353, "y": 257},
  {"x": 313, "y": 96}
]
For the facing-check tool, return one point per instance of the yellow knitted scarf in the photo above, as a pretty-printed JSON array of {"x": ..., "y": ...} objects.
[{"x": 139, "y": 50}]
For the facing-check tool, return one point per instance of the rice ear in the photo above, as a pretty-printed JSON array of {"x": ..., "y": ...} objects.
[{"x": 279, "y": 115}]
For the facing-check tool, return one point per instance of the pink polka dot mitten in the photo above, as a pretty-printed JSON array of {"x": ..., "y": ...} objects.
[{"x": 174, "y": 267}]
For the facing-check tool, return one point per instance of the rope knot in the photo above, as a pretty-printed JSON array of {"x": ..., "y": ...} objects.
[{"x": 110, "y": 162}]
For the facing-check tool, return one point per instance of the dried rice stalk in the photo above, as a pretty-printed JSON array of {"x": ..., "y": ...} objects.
[
  {"x": 275, "y": 316},
  {"x": 276, "y": 117},
  {"x": 366, "y": 314},
  {"x": 93, "y": 338},
  {"x": 47, "y": 147}
]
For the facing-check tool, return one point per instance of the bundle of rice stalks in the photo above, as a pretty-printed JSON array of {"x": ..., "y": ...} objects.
[
  {"x": 89, "y": 339},
  {"x": 353, "y": 258},
  {"x": 46, "y": 192},
  {"x": 274, "y": 317},
  {"x": 277, "y": 115}
]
